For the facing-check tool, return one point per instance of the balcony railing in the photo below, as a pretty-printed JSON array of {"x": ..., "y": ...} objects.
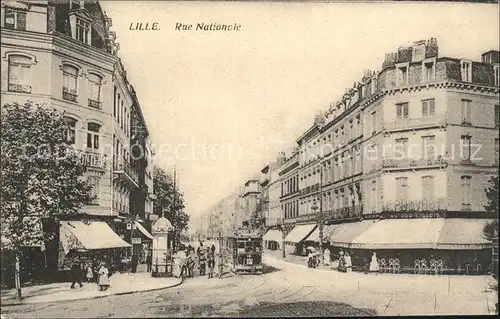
[
  {"x": 390, "y": 163},
  {"x": 125, "y": 169},
  {"x": 19, "y": 88},
  {"x": 426, "y": 121},
  {"x": 69, "y": 95},
  {"x": 94, "y": 160},
  {"x": 95, "y": 104}
]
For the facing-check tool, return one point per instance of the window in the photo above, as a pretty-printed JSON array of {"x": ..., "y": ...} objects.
[
  {"x": 71, "y": 133},
  {"x": 373, "y": 196},
  {"x": 496, "y": 151},
  {"x": 465, "y": 182},
  {"x": 466, "y": 111},
  {"x": 93, "y": 135},
  {"x": 15, "y": 19},
  {"x": 70, "y": 78},
  {"x": 374, "y": 122},
  {"x": 402, "y": 110},
  {"x": 401, "y": 188},
  {"x": 428, "y": 147},
  {"x": 95, "y": 82},
  {"x": 19, "y": 73},
  {"x": 82, "y": 31},
  {"x": 466, "y": 71},
  {"x": 496, "y": 71},
  {"x": 402, "y": 76},
  {"x": 428, "y": 188},
  {"x": 429, "y": 71},
  {"x": 401, "y": 147},
  {"x": 428, "y": 107},
  {"x": 114, "y": 102},
  {"x": 94, "y": 191},
  {"x": 497, "y": 115},
  {"x": 465, "y": 150}
]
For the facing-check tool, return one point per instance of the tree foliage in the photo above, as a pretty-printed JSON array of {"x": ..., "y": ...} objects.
[
  {"x": 257, "y": 222},
  {"x": 42, "y": 178},
  {"x": 163, "y": 188},
  {"x": 492, "y": 206}
]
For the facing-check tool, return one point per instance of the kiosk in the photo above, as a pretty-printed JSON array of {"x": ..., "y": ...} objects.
[{"x": 162, "y": 232}]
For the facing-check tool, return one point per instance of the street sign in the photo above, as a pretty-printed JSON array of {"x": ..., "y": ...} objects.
[{"x": 136, "y": 241}]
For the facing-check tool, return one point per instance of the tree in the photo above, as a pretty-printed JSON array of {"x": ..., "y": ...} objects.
[
  {"x": 163, "y": 188},
  {"x": 257, "y": 222},
  {"x": 41, "y": 177},
  {"x": 492, "y": 206}
]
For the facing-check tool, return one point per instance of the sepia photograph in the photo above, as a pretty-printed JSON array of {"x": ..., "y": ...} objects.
[{"x": 249, "y": 158}]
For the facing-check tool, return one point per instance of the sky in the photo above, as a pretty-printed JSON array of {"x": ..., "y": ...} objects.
[{"x": 221, "y": 105}]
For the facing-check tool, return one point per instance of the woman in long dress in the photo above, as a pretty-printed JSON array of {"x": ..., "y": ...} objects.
[
  {"x": 103, "y": 277},
  {"x": 326, "y": 256},
  {"x": 374, "y": 263},
  {"x": 348, "y": 262}
]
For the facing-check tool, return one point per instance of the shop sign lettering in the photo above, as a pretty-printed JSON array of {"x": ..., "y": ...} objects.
[{"x": 423, "y": 205}]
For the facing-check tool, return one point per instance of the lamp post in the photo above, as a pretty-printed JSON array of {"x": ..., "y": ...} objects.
[
  {"x": 282, "y": 229},
  {"x": 319, "y": 218}
]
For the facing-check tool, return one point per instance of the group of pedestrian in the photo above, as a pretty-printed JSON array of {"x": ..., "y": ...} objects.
[
  {"x": 99, "y": 274},
  {"x": 345, "y": 262},
  {"x": 186, "y": 259}
]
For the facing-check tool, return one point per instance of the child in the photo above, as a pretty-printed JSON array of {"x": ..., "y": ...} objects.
[
  {"x": 90, "y": 273},
  {"x": 211, "y": 265}
]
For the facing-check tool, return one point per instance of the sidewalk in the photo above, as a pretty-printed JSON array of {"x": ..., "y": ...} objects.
[{"x": 120, "y": 284}]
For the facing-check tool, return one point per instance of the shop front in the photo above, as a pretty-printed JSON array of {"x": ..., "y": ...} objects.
[
  {"x": 418, "y": 245},
  {"x": 273, "y": 239},
  {"x": 142, "y": 242},
  {"x": 90, "y": 242},
  {"x": 295, "y": 239}
]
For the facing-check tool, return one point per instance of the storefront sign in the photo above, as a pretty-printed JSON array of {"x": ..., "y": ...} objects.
[
  {"x": 415, "y": 205},
  {"x": 409, "y": 215},
  {"x": 136, "y": 241}
]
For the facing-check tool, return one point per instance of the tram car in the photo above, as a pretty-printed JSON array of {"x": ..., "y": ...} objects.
[{"x": 244, "y": 252}]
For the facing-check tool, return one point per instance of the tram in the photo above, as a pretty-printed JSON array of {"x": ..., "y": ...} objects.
[{"x": 244, "y": 252}]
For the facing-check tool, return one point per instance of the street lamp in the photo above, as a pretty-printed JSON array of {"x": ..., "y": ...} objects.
[{"x": 282, "y": 229}]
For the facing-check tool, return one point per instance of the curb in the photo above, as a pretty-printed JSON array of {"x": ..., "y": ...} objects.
[{"x": 93, "y": 297}]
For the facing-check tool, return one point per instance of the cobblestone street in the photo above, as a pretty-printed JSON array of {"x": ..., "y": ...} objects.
[{"x": 284, "y": 289}]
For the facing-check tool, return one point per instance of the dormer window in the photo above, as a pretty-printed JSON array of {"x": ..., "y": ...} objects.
[
  {"x": 428, "y": 71},
  {"x": 14, "y": 19},
  {"x": 466, "y": 71},
  {"x": 82, "y": 31},
  {"x": 402, "y": 74}
]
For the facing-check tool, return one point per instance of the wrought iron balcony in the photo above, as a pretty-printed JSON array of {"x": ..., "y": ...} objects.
[
  {"x": 69, "y": 95},
  {"x": 126, "y": 171},
  {"x": 19, "y": 88},
  {"x": 95, "y": 104},
  {"x": 422, "y": 122}
]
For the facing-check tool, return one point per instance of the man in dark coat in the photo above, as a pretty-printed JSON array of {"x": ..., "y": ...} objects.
[
  {"x": 134, "y": 262},
  {"x": 149, "y": 261},
  {"x": 76, "y": 275}
]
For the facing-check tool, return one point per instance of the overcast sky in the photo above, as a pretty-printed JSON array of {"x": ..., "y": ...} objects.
[{"x": 250, "y": 93}]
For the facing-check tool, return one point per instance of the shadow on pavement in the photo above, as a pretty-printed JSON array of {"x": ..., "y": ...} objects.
[{"x": 266, "y": 269}]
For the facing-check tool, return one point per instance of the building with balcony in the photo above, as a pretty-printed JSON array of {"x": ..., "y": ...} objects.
[
  {"x": 65, "y": 55},
  {"x": 409, "y": 147}
]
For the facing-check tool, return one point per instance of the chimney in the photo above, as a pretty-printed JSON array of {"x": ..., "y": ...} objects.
[
  {"x": 418, "y": 51},
  {"x": 404, "y": 54},
  {"x": 390, "y": 60},
  {"x": 432, "y": 49},
  {"x": 491, "y": 57}
]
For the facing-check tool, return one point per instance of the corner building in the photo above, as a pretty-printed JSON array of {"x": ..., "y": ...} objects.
[
  {"x": 400, "y": 164},
  {"x": 64, "y": 55}
]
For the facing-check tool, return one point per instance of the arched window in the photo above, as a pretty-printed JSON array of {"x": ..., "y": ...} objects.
[
  {"x": 19, "y": 73},
  {"x": 70, "y": 81},
  {"x": 93, "y": 135},
  {"x": 95, "y": 82},
  {"x": 71, "y": 133}
]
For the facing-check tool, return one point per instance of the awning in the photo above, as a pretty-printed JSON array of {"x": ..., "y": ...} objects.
[
  {"x": 89, "y": 236},
  {"x": 143, "y": 230},
  {"x": 273, "y": 235},
  {"x": 299, "y": 233},
  {"x": 400, "y": 234},
  {"x": 463, "y": 233},
  {"x": 344, "y": 234},
  {"x": 327, "y": 232}
]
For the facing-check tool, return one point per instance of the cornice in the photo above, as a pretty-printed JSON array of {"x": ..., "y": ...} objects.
[{"x": 85, "y": 50}]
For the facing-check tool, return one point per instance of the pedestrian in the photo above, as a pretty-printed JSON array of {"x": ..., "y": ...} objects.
[
  {"x": 374, "y": 267},
  {"x": 341, "y": 261},
  {"x": 348, "y": 262},
  {"x": 103, "y": 277},
  {"x": 211, "y": 265},
  {"x": 76, "y": 275},
  {"x": 326, "y": 257},
  {"x": 212, "y": 249},
  {"x": 134, "y": 263},
  {"x": 202, "y": 260},
  {"x": 149, "y": 261},
  {"x": 190, "y": 265},
  {"x": 89, "y": 272}
]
